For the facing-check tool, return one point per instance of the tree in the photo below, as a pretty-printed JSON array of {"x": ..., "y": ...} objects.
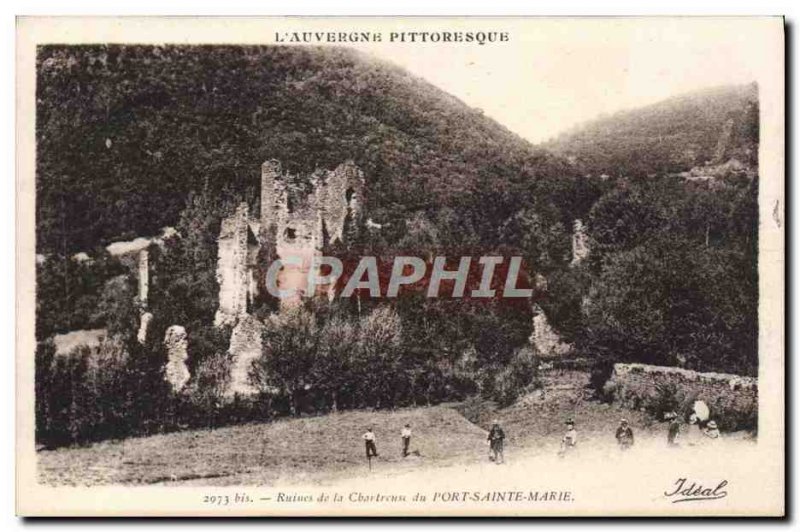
[
  {"x": 379, "y": 357},
  {"x": 335, "y": 371},
  {"x": 290, "y": 346},
  {"x": 672, "y": 302}
]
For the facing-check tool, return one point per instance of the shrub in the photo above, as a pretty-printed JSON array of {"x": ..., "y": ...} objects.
[
  {"x": 515, "y": 378},
  {"x": 598, "y": 378}
]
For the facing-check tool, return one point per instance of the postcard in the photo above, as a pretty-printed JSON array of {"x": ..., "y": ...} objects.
[{"x": 400, "y": 266}]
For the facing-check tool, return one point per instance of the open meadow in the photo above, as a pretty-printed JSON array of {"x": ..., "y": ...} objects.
[{"x": 326, "y": 449}]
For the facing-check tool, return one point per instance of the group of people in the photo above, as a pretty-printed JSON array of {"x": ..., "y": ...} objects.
[
  {"x": 696, "y": 432},
  {"x": 497, "y": 436},
  {"x": 372, "y": 449},
  {"x": 623, "y": 435}
]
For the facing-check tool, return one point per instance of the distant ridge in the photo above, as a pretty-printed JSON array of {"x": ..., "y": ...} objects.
[{"x": 671, "y": 136}]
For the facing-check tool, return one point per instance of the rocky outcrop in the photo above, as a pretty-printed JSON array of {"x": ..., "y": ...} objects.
[
  {"x": 544, "y": 338},
  {"x": 245, "y": 347},
  {"x": 723, "y": 143},
  {"x": 176, "y": 372},
  {"x": 580, "y": 242}
]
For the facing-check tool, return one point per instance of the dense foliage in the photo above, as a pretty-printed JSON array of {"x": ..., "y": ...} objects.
[
  {"x": 131, "y": 139},
  {"x": 124, "y": 133},
  {"x": 675, "y": 135}
]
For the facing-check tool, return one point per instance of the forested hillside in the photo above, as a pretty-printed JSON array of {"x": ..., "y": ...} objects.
[
  {"x": 134, "y": 138},
  {"x": 710, "y": 126},
  {"x": 673, "y": 274},
  {"x": 125, "y": 132}
]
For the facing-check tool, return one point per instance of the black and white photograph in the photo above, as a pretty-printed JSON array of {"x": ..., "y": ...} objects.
[{"x": 433, "y": 266}]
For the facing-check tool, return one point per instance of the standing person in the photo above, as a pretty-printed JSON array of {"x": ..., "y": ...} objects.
[
  {"x": 570, "y": 439},
  {"x": 495, "y": 439},
  {"x": 405, "y": 435},
  {"x": 624, "y": 435},
  {"x": 694, "y": 434},
  {"x": 674, "y": 429},
  {"x": 369, "y": 441}
]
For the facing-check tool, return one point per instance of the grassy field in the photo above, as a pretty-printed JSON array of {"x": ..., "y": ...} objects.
[
  {"x": 327, "y": 448},
  {"x": 287, "y": 450}
]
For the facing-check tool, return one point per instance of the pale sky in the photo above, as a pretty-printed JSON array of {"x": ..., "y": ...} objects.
[
  {"x": 557, "y": 73},
  {"x": 553, "y": 73}
]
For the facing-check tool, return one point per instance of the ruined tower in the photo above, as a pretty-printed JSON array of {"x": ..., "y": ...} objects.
[
  {"x": 300, "y": 216},
  {"x": 234, "y": 265},
  {"x": 304, "y": 214}
]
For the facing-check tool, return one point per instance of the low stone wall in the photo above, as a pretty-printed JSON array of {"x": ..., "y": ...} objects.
[{"x": 733, "y": 399}]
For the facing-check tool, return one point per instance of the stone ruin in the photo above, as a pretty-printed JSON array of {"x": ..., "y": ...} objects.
[
  {"x": 300, "y": 217},
  {"x": 544, "y": 338},
  {"x": 580, "y": 242},
  {"x": 176, "y": 372},
  {"x": 237, "y": 253}
]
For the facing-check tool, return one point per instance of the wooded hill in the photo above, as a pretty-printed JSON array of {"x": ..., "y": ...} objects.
[
  {"x": 712, "y": 125},
  {"x": 134, "y": 138},
  {"x": 125, "y": 132}
]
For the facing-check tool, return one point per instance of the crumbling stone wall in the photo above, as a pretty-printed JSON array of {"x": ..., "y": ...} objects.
[
  {"x": 304, "y": 214},
  {"x": 144, "y": 325},
  {"x": 544, "y": 338},
  {"x": 733, "y": 399},
  {"x": 580, "y": 242},
  {"x": 317, "y": 207},
  {"x": 245, "y": 347},
  {"x": 143, "y": 263},
  {"x": 232, "y": 271},
  {"x": 176, "y": 372},
  {"x": 300, "y": 216}
]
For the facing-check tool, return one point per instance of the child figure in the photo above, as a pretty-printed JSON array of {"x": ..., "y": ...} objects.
[
  {"x": 569, "y": 440},
  {"x": 712, "y": 432},
  {"x": 369, "y": 442},
  {"x": 405, "y": 435},
  {"x": 624, "y": 435}
]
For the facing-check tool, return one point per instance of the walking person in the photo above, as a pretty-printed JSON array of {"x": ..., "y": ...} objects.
[
  {"x": 495, "y": 439},
  {"x": 369, "y": 442},
  {"x": 674, "y": 429},
  {"x": 624, "y": 435},
  {"x": 405, "y": 435},
  {"x": 570, "y": 439}
]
